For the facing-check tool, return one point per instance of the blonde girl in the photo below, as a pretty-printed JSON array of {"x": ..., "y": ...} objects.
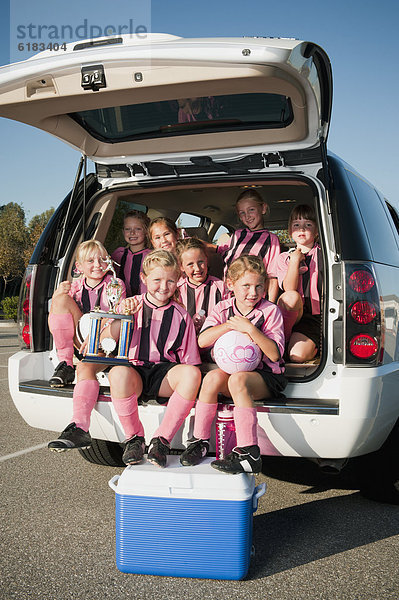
[
  {"x": 254, "y": 238},
  {"x": 250, "y": 313},
  {"x": 128, "y": 259},
  {"x": 163, "y": 353}
]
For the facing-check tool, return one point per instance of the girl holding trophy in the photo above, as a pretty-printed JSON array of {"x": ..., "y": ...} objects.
[{"x": 71, "y": 304}]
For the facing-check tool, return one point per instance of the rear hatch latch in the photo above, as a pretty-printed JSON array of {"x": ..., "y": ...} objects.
[
  {"x": 93, "y": 77},
  {"x": 273, "y": 159}
]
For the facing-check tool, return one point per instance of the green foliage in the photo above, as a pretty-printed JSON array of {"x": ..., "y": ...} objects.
[
  {"x": 9, "y": 307},
  {"x": 13, "y": 241},
  {"x": 17, "y": 241},
  {"x": 34, "y": 230}
]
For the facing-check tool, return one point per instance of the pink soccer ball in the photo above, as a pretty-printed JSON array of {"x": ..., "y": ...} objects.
[{"x": 235, "y": 351}]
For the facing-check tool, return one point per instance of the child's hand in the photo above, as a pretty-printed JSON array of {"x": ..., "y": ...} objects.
[
  {"x": 83, "y": 348},
  {"x": 129, "y": 306},
  {"x": 297, "y": 255},
  {"x": 242, "y": 324},
  {"x": 64, "y": 287}
]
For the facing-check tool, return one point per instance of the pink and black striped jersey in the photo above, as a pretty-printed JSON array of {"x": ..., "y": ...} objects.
[
  {"x": 260, "y": 242},
  {"x": 310, "y": 277},
  {"x": 88, "y": 298},
  {"x": 163, "y": 334},
  {"x": 266, "y": 317},
  {"x": 202, "y": 297},
  {"x": 129, "y": 269}
]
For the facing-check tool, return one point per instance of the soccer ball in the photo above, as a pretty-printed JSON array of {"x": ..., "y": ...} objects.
[{"x": 235, "y": 351}]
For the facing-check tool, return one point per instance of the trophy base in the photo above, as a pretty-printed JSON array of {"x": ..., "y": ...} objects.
[{"x": 107, "y": 360}]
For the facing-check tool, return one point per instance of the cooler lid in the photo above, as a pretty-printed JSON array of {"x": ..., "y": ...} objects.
[{"x": 176, "y": 481}]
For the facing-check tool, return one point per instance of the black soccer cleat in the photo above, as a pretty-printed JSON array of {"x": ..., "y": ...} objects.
[
  {"x": 241, "y": 460},
  {"x": 158, "y": 451},
  {"x": 196, "y": 450},
  {"x": 63, "y": 375},
  {"x": 72, "y": 437},
  {"x": 134, "y": 450}
]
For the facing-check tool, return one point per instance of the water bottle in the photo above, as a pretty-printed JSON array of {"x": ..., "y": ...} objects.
[
  {"x": 198, "y": 319},
  {"x": 225, "y": 432}
]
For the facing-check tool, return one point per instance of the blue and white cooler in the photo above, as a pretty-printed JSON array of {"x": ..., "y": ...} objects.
[{"x": 184, "y": 521}]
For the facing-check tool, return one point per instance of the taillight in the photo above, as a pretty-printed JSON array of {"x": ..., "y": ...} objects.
[
  {"x": 363, "y": 312},
  {"x": 361, "y": 281},
  {"x": 24, "y": 310},
  {"x": 363, "y": 316},
  {"x": 363, "y": 346},
  {"x": 26, "y": 335}
]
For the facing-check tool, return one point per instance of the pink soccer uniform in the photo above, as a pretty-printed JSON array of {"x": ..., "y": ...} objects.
[
  {"x": 87, "y": 298},
  {"x": 163, "y": 334},
  {"x": 202, "y": 297},
  {"x": 266, "y": 317},
  {"x": 129, "y": 269},
  {"x": 260, "y": 242},
  {"x": 310, "y": 277}
]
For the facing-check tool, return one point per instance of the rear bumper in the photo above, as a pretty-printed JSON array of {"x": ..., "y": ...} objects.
[{"x": 347, "y": 415}]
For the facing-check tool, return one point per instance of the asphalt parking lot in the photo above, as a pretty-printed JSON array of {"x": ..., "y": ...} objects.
[{"x": 315, "y": 536}]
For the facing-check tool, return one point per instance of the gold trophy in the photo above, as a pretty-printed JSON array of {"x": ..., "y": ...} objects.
[{"x": 101, "y": 351}]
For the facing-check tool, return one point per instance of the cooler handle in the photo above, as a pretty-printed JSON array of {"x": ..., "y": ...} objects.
[
  {"x": 258, "y": 492},
  {"x": 113, "y": 481}
]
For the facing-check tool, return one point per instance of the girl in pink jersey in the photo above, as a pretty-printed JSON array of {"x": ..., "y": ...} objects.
[
  {"x": 198, "y": 290},
  {"x": 254, "y": 239},
  {"x": 299, "y": 275},
  {"x": 128, "y": 259},
  {"x": 163, "y": 234},
  {"x": 249, "y": 313},
  {"x": 70, "y": 301},
  {"x": 163, "y": 353}
]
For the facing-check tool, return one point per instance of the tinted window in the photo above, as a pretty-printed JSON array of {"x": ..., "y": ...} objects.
[
  {"x": 188, "y": 220},
  {"x": 187, "y": 115},
  {"x": 394, "y": 215},
  {"x": 378, "y": 228}
]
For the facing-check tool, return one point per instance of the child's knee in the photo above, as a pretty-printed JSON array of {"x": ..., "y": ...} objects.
[
  {"x": 290, "y": 300},
  {"x": 238, "y": 381},
  {"x": 213, "y": 380}
]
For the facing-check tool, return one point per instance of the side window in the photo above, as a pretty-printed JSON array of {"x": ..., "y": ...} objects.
[
  {"x": 394, "y": 215},
  {"x": 377, "y": 226},
  {"x": 188, "y": 220},
  {"x": 220, "y": 235}
]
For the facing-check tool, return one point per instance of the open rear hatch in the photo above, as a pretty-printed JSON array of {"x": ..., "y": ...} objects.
[{"x": 127, "y": 100}]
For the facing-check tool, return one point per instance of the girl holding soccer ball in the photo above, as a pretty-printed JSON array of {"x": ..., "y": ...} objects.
[{"x": 247, "y": 312}]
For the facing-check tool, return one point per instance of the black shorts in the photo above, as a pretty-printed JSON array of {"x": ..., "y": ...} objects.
[
  {"x": 309, "y": 325},
  {"x": 152, "y": 377},
  {"x": 276, "y": 382}
]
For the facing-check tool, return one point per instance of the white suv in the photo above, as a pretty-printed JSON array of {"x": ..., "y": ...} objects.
[{"x": 268, "y": 104}]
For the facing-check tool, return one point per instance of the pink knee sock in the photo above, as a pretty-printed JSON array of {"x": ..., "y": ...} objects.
[
  {"x": 176, "y": 412},
  {"x": 128, "y": 413},
  {"x": 289, "y": 317},
  {"x": 62, "y": 328},
  {"x": 246, "y": 422},
  {"x": 204, "y": 416},
  {"x": 85, "y": 396}
]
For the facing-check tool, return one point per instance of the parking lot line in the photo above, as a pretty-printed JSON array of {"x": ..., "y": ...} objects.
[{"x": 20, "y": 452}]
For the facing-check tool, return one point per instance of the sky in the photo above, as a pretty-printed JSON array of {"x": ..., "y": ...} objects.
[{"x": 359, "y": 36}]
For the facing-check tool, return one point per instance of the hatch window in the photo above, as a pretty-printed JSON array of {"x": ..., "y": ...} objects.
[{"x": 187, "y": 116}]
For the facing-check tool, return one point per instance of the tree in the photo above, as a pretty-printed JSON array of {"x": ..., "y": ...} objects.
[
  {"x": 13, "y": 242},
  {"x": 35, "y": 230}
]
